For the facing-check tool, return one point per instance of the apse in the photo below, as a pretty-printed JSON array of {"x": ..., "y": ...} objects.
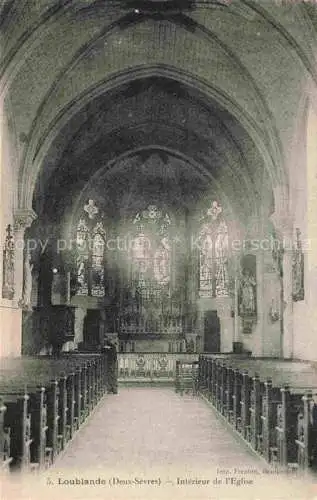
[{"x": 140, "y": 196}]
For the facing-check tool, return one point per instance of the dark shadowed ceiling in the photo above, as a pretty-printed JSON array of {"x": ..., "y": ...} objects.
[
  {"x": 155, "y": 138},
  {"x": 139, "y": 99}
]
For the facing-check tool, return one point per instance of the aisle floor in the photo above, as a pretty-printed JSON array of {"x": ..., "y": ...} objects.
[{"x": 151, "y": 443}]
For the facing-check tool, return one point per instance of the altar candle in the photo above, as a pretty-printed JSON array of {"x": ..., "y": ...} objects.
[
  {"x": 68, "y": 288},
  {"x": 236, "y": 310}
]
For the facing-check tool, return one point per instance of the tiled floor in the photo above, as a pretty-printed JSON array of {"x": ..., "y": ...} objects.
[{"x": 149, "y": 434}]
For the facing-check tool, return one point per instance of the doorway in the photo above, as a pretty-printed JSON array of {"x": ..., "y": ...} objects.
[
  {"x": 92, "y": 328},
  {"x": 211, "y": 332}
]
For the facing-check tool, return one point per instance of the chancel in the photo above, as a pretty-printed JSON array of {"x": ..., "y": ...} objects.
[{"x": 158, "y": 168}]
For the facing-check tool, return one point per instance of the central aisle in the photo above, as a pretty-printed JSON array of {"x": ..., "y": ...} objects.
[
  {"x": 149, "y": 427},
  {"x": 151, "y": 443}
]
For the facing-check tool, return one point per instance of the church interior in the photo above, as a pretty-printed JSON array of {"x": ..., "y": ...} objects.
[{"x": 158, "y": 191}]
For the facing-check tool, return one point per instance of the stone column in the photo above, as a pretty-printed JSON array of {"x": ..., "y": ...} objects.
[{"x": 23, "y": 219}]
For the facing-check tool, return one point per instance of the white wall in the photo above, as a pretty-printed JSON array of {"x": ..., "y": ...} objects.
[
  {"x": 10, "y": 314},
  {"x": 304, "y": 201}
]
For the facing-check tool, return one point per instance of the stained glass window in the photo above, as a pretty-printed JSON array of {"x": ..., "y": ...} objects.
[
  {"x": 82, "y": 240},
  {"x": 206, "y": 262},
  {"x": 97, "y": 262},
  {"x": 213, "y": 255},
  {"x": 90, "y": 242},
  {"x": 221, "y": 260},
  {"x": 151, "y": 253},
  {"x": 162, "y": 262}
]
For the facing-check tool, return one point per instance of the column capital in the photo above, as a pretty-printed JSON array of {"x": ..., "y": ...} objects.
[{"x": 23, "y": 218}]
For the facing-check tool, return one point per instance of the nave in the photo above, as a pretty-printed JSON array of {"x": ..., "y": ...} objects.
[
  {"x": 158, "y": 180},
  {"x": 177, "y": 443}
]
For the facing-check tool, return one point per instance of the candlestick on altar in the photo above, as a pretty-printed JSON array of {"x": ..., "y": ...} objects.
[
  {"x": 236, "y": 309},
  {"x": 68, "y": 288}
]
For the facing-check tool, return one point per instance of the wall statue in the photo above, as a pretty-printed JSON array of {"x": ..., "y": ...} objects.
[
  {"x": 298, "y": 269},
  {"x": 27, "y": 281},
  {"x": 247, "y": 295},
  {"x": 8, "y": 265}
]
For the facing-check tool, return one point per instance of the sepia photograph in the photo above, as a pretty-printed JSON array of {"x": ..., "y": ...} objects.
[{"x": 158, "y": 249}]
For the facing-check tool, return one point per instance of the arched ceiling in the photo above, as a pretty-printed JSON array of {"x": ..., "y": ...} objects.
[
  {"x": 90, "y": 84},
  {"x": 132, "y": 121}
]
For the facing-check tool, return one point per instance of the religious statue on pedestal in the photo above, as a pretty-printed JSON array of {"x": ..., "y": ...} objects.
[
  {"x": 8, "y": 265},
  {"x": 247, "y": 295},
  {"x": 298, "y": 269},
  {"x": 27, "y": 282}
]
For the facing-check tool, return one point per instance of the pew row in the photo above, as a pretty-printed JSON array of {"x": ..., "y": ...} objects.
[
  {"x": 269, "y": 402},
  {"x": 43, "y": 403}
]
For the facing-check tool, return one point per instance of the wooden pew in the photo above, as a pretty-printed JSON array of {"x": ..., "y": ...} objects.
[
  {"x": 5, "y": 457},
  {"x": 40, "y": 452},
  {"x": 258, "y": 407},
  {"x": 271, "y": 398},
  {"x": 52, "y": 423},
  {"x": 17, "y": 420},
  {"x": 283, "y": 408},
  {"x": 186, "y": 376},
  {"x": 257, "y": 392},
  {"x": 229, "y": 393},
  {"x": 26, "y": 420},
  {"x": 245, "y": 404},
  {"x": 286, "y": 426},
  {"x": 48, "y": 413},
  {"x": 307, "y": 433},
  {"x": 39, "y": 428}
]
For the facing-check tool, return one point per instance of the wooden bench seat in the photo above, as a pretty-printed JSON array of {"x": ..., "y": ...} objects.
[
  {"x": 265, "y": 400},
  {"x": 186, "y": 379},
  {"x": 69, "y": 389},
  {"x": 17, "y": 425},
  {"x": 5, "y": 446}
]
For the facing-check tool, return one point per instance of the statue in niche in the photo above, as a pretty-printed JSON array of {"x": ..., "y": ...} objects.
[
  {"x": 248, "y": 295},
  {"x": 27, "y": 281},
  {"x": 298, "y": 269},
  {"x": 8, "y": 265}
]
